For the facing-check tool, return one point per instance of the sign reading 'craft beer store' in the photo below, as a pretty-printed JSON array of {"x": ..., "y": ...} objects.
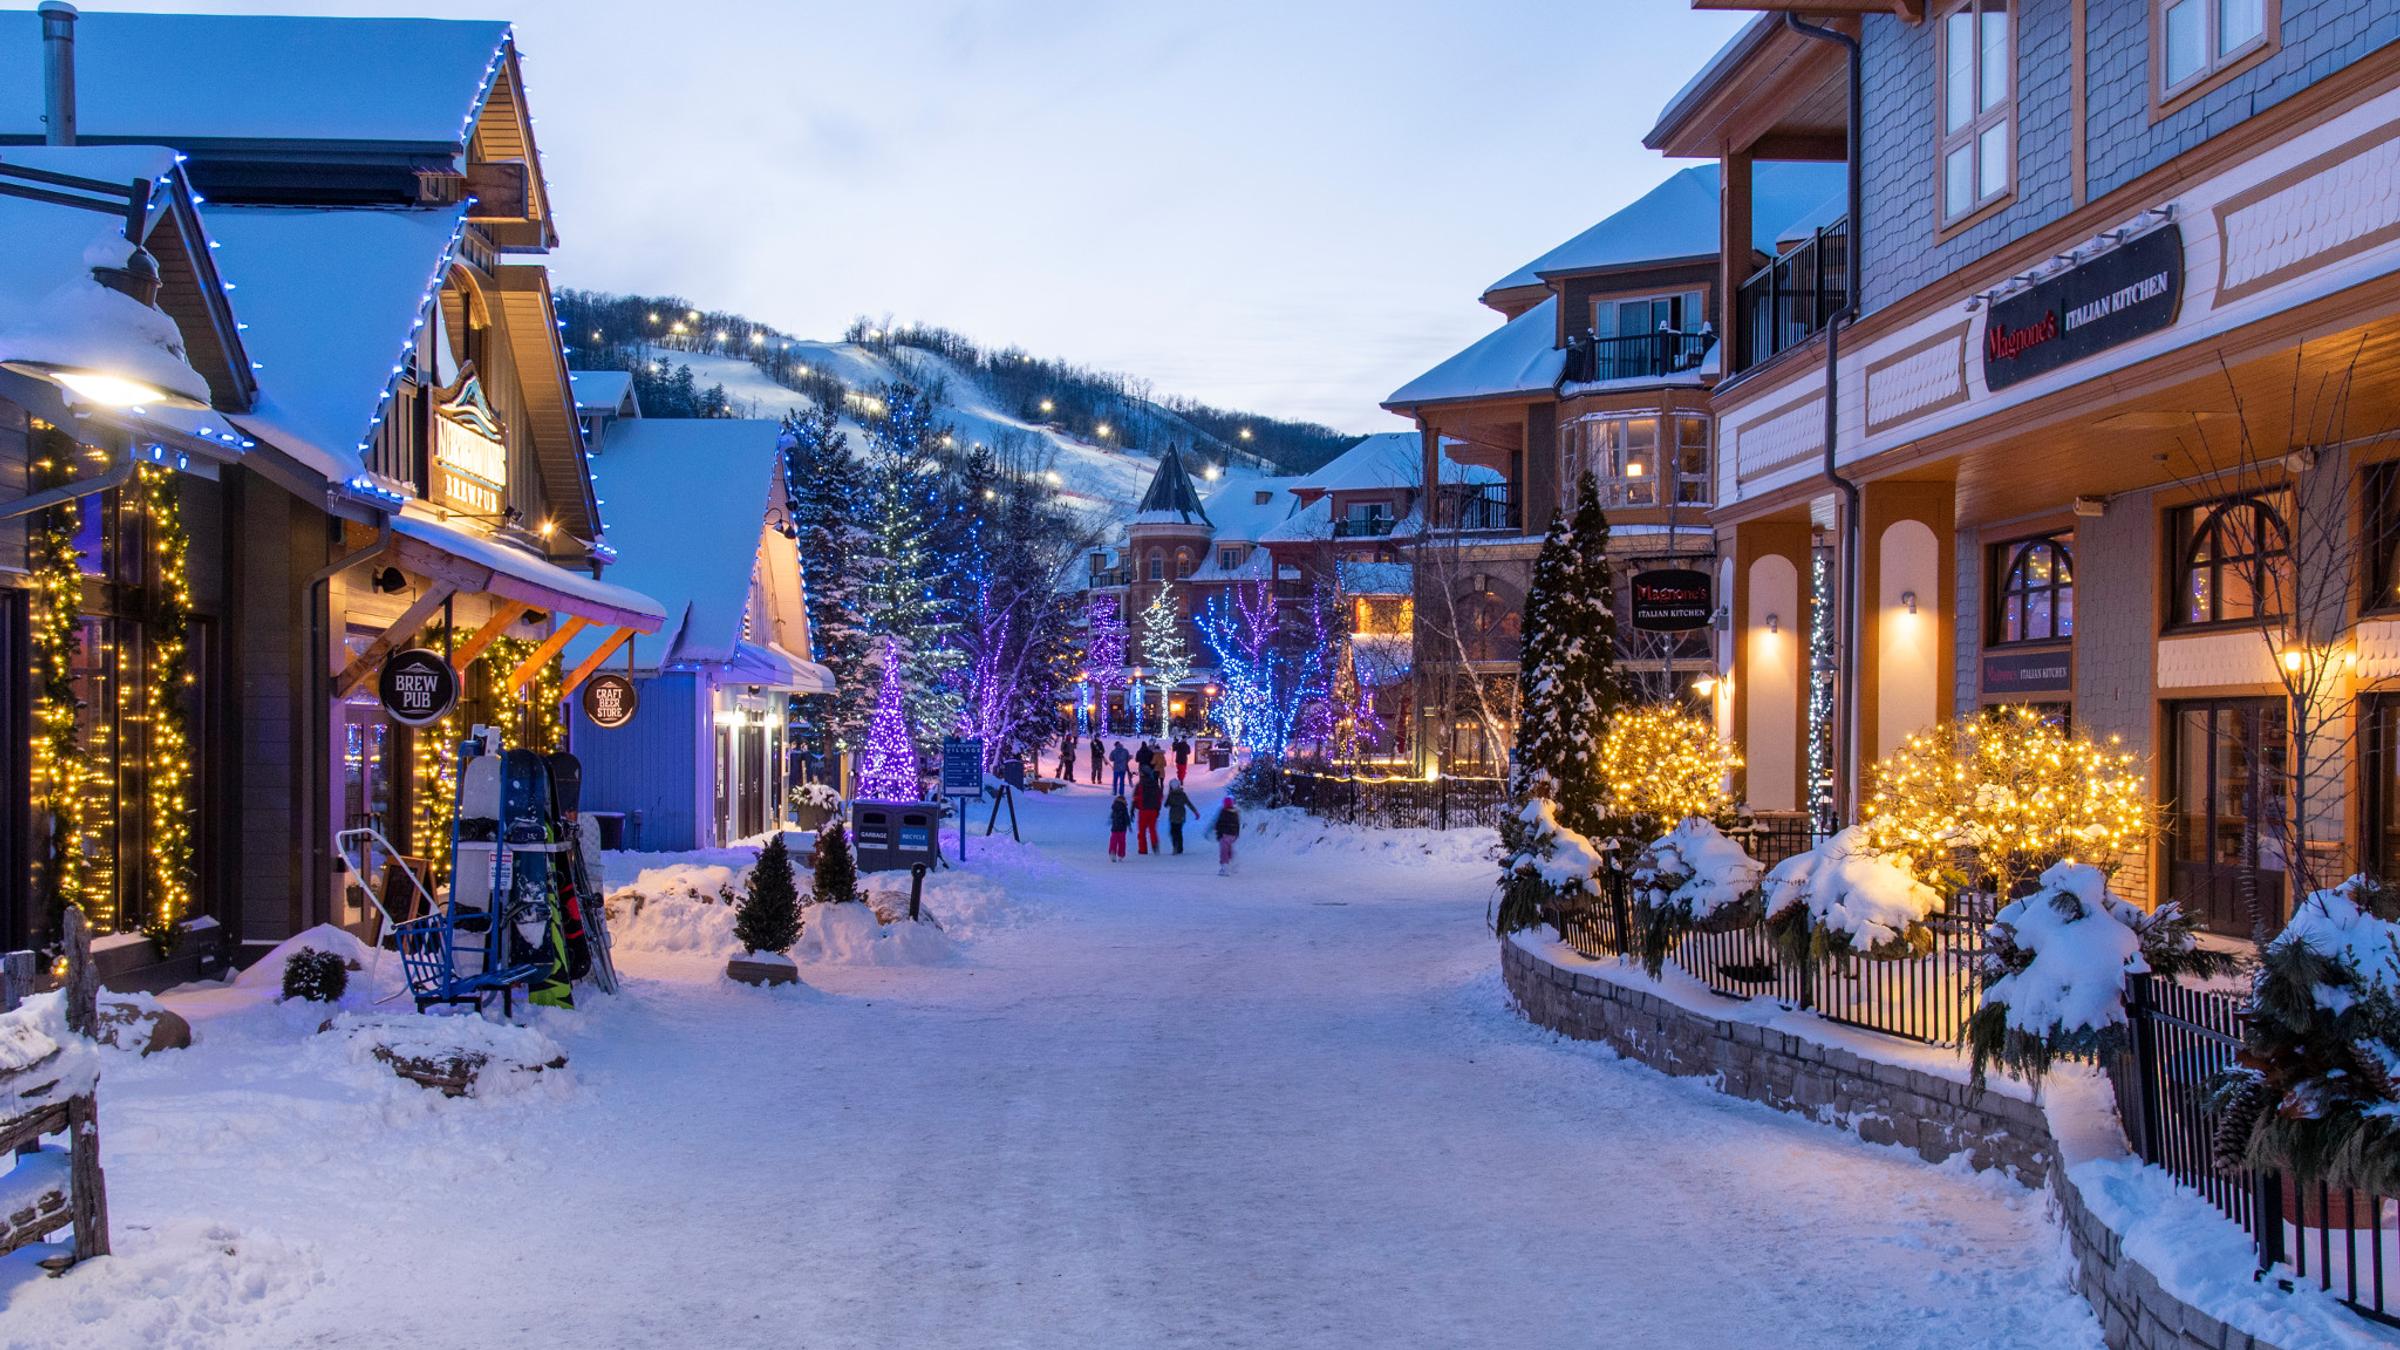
[
  {"x": 2128, "y": 292},
  {"x": 1670, "y": 600}
]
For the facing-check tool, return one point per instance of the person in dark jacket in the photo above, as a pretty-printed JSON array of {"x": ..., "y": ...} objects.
[
  {"x": 1118, "y": 818},
  {"x": 1097, "y": 758},
  {"x": 1183, "y": 760},
  {"x": 1179, "y": 807},
  {"x": 1066, "y": 756},
  {"x": 1227, "y": 827},
  {"x": 1147, "y": 798},
  {"x": 1118, "y": 763},
  {"x": 1145, "y": 758}
]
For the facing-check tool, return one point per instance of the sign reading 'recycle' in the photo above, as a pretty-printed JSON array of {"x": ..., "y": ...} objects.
[{"x": 2128, "y": 292}]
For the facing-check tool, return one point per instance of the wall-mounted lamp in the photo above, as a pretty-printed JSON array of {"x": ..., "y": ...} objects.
[
  {"x": 1774, "y": 623},
  {"x": 2294, "y": 658},
  {"x": 1705, "y": 685},
  {"x": 1909, "y": 598}
]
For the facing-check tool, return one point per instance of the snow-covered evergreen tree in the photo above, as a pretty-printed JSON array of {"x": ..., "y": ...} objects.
[
  {"x": 1569, "y": 682},
  {"x": 825, "y": 497},
  {"x": 1165, "y": 652},
  {"x": 912, "y": 511}
]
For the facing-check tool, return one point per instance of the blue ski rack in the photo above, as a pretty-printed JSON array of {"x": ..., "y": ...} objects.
[{"x": 430, "y": 946}]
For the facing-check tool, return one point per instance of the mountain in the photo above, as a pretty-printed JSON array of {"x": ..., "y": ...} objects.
[{"x": 1097, "y": 435}]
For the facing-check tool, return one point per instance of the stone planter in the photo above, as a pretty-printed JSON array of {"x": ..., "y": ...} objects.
[
  {"x": 811, "y": 819},
  {"x": 763, "y": 969}
]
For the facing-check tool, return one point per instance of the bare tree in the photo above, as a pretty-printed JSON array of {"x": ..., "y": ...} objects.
[{"x": 1449, "y": 636}]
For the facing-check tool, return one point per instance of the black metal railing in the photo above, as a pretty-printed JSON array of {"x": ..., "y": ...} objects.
[
  {"x": 1635, "y": 356},
  {"x": 1789, "y": 300},
  {"x": 1363, "y": 527},
  {"x": 1442, "y": 803},
  {"x": 1483, "y": 506},
  {"x": 2345, "y": 1242}
]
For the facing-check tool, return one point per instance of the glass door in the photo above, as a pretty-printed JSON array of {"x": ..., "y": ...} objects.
[{"x": 2225, "y": 859}]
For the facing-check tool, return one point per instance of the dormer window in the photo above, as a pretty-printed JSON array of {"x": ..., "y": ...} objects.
[
  {"x": 1261, "y": 497},
  {"x": 1229, "y": 558}
]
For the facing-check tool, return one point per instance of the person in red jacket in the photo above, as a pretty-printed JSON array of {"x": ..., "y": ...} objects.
[{"x": 1148, "y": 796}]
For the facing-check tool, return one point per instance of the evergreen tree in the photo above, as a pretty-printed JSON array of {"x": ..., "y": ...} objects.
[
  {"x": 837, "y": 869},
  {"x": 1569, "y": 684},
  {"x": 825, "y": 496},
  {"x": 769, "y": 917},
  {"x": 913, "y": 513},
  {"x": 1164, "y": 650},
  {"x": 888, "y": 769}
]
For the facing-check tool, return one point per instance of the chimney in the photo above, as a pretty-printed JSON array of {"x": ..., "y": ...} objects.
[{"x": 58, "y": 71}]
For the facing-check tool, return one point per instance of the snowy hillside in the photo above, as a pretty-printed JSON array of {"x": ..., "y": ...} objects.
[{"x": 1107, "y": 481}]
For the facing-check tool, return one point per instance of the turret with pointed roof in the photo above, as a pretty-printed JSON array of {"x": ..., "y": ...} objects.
[{"x": 1172, "y": 499}]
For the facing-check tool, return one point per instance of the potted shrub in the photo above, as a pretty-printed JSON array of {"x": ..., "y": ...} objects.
[
  {"x": 814, "y": 804},
  {"x": 1691, "y": 879},
  {"x": 768, "y": 922}
]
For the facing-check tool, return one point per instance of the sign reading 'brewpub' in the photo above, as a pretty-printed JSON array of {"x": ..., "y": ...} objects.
[{"x": 2128, "y": 292}]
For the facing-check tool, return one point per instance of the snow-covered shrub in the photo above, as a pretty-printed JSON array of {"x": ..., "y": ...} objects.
[
  {"x": 818, "y": 796},
  {"x": 2053, "y": 970},
  {"x": 2316, "y": 1088},
  {"x": 316, "y": 975},
  {"x": 1692, "y": 877},
  {"x": 1846, "y": 897},
  {"x": 1545, "y": 863},
  {"x": 833, "y": 868}
]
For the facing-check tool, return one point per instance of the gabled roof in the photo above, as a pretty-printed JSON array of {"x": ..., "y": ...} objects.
[
  {"x": 1678, "y": 220},
  {"x": 1239, "y": 515},
  {"x": 330, "y": 299},
  {"x": 1387, "y": 459},
  {"x": 1520, "y": 357},
  {"x": 688, "y": 501},
  {"x": 191, "y": 80},
  {"x": 604, "y": 391},
  {"x": 1172, "y": 499}
]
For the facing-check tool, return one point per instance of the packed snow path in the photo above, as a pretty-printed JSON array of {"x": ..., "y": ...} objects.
[{"x": 1290, "y": 1108}]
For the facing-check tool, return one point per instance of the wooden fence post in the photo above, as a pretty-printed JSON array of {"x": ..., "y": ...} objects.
[
  {"x": 83, "y": 978},
  {"x": 16, "y": 979}
]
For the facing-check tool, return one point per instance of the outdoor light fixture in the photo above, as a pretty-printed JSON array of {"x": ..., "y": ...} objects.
[
  {"x": 1909, "y": 598},
  {"x": 112, "y": 391},
  {"x": 1774, "y": 623},
  {"x": 1705, "y": 685},
  {"x": 2294, "y": 658}
]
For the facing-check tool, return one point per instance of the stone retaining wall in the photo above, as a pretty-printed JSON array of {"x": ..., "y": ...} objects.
[{"x": 1882, "y": 1103}]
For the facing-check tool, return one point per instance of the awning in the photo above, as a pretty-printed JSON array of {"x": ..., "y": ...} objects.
[{"x": 756, "y": 664}]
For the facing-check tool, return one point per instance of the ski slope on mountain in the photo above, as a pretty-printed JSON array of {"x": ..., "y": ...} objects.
[{"x": 1104, "y": 480}]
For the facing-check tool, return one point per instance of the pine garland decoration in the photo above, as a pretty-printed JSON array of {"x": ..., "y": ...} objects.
[
  {"x": 167, "y": 628},
  {"x": 61, "y": 767}
]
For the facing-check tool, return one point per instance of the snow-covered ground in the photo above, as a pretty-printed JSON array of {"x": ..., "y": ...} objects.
[{"x": 1138, "y": 1105}]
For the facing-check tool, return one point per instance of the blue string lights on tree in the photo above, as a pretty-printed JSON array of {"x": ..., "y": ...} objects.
[{"x": 888, "y": 770}]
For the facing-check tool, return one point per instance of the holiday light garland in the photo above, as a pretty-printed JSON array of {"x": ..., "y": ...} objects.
[
  {"x": 2006, "y": 794},
  {"x": 61, "y": 768},
  {"x": 887, "y": 772},
  {"x": 1662, "y": 765},
  {"x": 433, "y": 764},
  {"x": 167, "y": 629}
]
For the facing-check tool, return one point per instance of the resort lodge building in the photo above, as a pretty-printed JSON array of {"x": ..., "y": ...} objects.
[{"x": 2088, "y": 396}]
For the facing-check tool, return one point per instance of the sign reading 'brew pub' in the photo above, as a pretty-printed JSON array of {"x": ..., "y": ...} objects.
[{"x": 2128, "y": 292}]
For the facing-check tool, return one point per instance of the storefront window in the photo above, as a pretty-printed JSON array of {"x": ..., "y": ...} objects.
[
  {"x": 1627, "y": 460},
  {"x": 2036, "y": 600},
  {"x": 2236, "y": 559}
]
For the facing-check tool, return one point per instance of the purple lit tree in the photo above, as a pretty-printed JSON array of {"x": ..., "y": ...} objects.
[
  {"x": 1105, "y": 637},
  {"x": 888, "y": 768}
]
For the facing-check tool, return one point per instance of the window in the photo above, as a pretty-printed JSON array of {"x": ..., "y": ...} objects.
[
  {"x": 2036, "y": 597},
  {"x": 2193, "y": 39},
  {"x": 1978, "y": 106},
  {"x": 1623, "y": 455},
  {"x": 1229, "y": 558},
  {"x": 1489, "y": 627},
  {"x": 1262, "y": 497},
  {"x": 1682, "y": 312},
  {"x": 1158, "y": 565},
  {"x": 1183, "y": 563},
  {"x": 2236, "y": 560}
]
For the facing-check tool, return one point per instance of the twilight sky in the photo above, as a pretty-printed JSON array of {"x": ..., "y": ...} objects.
[{"x": 1284, "y": 206}]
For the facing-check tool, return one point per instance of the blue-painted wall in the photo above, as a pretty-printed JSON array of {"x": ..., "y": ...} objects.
[
  {"x": 649, "y": 764},
  {"x": 2319, "y": 37}
]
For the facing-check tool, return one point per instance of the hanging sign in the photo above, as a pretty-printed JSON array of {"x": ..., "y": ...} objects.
[
  {"x": 609, "y": 700},
  {"x": 2128, "y": 292},
  {"x": 1670, "y": 600},
  {"x": 417, "y": 686}
]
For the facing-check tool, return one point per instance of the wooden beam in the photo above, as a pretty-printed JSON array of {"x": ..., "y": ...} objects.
[
  {"x": 551, "y": 646},
  {"x": 592, "y": 663},
  {"x": 1814, "y": 146},
  {"x": 503, "y": 614},
  {"x": 354, "y": 674}
]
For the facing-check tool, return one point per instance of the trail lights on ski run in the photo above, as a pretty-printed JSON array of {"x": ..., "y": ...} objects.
[
  {"x": 1103, "y": 430},
  {"x": 2011, "y": 788},
  {"x": 1245, "y": 433},
  {"x": 1662, "y": 764},
  {"x": 1047, "y": 405}
]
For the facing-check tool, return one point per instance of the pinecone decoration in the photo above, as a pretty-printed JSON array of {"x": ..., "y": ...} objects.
[
  {"x": 2241, "y": 1099},
  {"x": 2368, "y": 1069}
]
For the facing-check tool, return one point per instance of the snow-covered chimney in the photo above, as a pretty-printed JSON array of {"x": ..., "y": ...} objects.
[{"x": 58, "y": 71}]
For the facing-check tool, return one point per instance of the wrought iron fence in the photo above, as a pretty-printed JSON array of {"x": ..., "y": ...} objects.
[
  {"x": 1788, "y": 301},
  {"x": 1442, "y": 803},
  {"x": 1633, "y": 356}
]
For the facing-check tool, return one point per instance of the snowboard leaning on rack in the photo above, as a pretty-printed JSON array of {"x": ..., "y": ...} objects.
[
  {"x": 587, "y": 909},
  {"x": 533, "y": 854},
  {"x": 479, "y": 866}
]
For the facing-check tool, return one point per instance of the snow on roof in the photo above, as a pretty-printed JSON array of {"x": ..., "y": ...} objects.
[
  {"x": 190, "y": 79},
  {"x": 1520, "y": 357},
  {"x": 1375, "y": 578},
  {"x": 52, "y": 310},
  {"x": 486, "y": 551},
  {"x": 1835, "y": 206},
  {"x": 330, "y": 299},
  {"x": 1255, "y": 566},
  {"x": 600, "y": 390},
  {"x": 1312, "y": 521},
  {"x": 1678, "y": 219},
  {"x": 685, "y": 526},
  {"x": 1172, "y": 498},
  {"x": 1387, "y": 459},
  {"x": 1240, "y": 515}
]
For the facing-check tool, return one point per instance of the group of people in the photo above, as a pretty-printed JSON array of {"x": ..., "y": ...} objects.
[{"x": 1139, "y": 792}]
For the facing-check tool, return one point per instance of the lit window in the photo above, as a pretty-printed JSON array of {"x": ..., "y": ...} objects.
[
  {"x": 2236, "y": 560},
  {"x": 1978, "y": 106},
  {"x": 2197, "y": 38},
  {"x": 1624, "y": 457},
  {"x": 2036, "y": 600}
]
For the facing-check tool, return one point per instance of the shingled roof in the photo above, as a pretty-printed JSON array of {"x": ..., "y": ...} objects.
[{"x": 1171, "y": 499}]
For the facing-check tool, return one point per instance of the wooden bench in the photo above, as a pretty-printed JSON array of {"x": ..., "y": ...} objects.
[{"x": 49, "y": 1088}]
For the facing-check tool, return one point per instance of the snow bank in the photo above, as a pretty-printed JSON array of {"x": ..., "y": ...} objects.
[
  {"x": 966, "y": 905},
  {"x": 851, "y": 935},
  {"x": 507, "y": 1057},
  {"x": 1696, "y": 866},
  {"x": 36, "y": 1035},
  {"x": 670, "y": 923},
  {"x": 267, "y": 971},
  {"x": 1289, "y": 830},
  {"x": 1850, "y": 889}
]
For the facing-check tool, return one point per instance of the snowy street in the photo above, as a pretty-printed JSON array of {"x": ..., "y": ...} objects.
[{"x": 1144, "y": 1105}]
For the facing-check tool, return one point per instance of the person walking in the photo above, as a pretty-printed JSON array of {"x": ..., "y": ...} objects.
[
  {"x": 1118, "y": 760},
  {"x": 1147, "y": 798},
  {"x": 1118, "y": 818},
  {"x": 1066, "y": 756},
  {"x": 1183, "y": 760},
  {"x": 1096, "y": 754},
  {"x": 1178, "y": 808},
  {"x": 1145, "y": 758},
  {"x": 1227, "y": 828}
]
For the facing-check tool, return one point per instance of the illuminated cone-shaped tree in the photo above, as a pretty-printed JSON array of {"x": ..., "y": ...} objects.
[
  {"x": 888, "y": 770},
  {"x": 1165, "y": 651}
]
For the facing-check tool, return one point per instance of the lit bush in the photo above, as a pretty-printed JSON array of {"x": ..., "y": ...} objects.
[{"x": 1663, "y": 765}]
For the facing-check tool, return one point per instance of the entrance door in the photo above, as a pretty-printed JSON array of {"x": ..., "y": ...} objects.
[{"x": 2229, "y": 777}]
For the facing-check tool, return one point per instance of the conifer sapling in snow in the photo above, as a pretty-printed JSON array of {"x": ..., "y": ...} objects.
[
  {"x": 837, "y": 871},
  {"x": 769, "y": 919}
]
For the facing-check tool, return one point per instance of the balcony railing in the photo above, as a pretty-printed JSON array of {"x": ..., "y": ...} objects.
[
  {"x": 1636, "y": 356},
  {"x": 1103, "y": 579},
  {"x": 1363, "y": 527},
  {"x": 1479, "y": 507},
  {"x": 1788, "y": 301}
]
